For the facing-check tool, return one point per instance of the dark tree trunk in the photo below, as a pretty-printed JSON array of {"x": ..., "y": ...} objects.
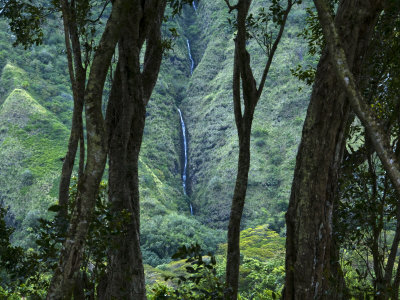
[
  {"x": 126, "y": 274},
  {"x": 126, "y": 120},
  {"x": 309, "y": 265},
  {"x": 69, "y": 160},
  {"x": 239, "y": 196}
]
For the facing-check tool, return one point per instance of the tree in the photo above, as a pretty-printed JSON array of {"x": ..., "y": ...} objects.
[
  {"x": 378, "y": 137},
  {"x": 312, "y": 268},
  {"x": 77, "y": 67},
  {"x": 25, "y": 21},
  {"x": 119, "y": 136},
  {"x": 244, "y": 81},
  {"x": 63, "y": 279},
  {"x": 368, "y": 211},
  {"x": 125, "y": 119}
]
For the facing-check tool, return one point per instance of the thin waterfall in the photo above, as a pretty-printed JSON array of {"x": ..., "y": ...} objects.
[
  {"x": 184, "y": 171},
  {"x": 185, "y": 152},
  {"x": 190, "y": 56}
]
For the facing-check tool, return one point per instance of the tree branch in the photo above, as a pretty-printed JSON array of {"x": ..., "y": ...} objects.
[
  {"x": 273, "y": 49},
  {"x": 231, "y": 7},
  {"x": 378, "y": 138},
  {"x": 153, "y": 54},
  {"x": 101, "y": 13}
]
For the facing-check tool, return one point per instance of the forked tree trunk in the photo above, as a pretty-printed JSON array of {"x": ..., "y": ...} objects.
[
  {"x": 309, "y": 248},
  {"x": 243, "y": 79},
  {"x": 130, "y": 94},
  {"x": 125, "y": 273},
  {"x": 71, "y": 254}
]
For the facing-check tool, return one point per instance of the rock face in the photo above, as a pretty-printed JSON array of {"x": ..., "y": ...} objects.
[{"x": 37, "y": 101}]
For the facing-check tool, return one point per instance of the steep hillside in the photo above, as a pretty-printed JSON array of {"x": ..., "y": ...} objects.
[
  {"x": 44, "y": 70},
  {"x": 32, "y": 144},
  {"x": 165, "y": 209},
  {"x": 208, "y": 109}
]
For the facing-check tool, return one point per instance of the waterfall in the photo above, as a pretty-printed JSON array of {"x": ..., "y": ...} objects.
[
  {"x": 185, "y": 152},
  {"x": 190, "y": 56},
  {"x": 184, "y": 171}
]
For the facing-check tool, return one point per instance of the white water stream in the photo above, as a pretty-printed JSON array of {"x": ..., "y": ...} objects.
[
  {"x": 184, "y": 138},
  {"x": 190, "y": 56},
  {"x": 185, "y": 152}
]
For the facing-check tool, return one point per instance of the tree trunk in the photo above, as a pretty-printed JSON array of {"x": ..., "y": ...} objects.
[
  {"x": 376, "y": 133},
  {"x": 69, "y": 160},
  {"x": 314, "y": 189},
  {"x": 126, "y": 273},
  {"x": 239, "y": 196},
  {"x": 71, "y": 254},
  {"x": 243, "y": 79},
  {"x": 77, "y": 76},
  {"x": 126, "y": 121}
]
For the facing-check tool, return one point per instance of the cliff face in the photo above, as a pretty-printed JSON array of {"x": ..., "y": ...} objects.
[{"x": 39, "y": 76}]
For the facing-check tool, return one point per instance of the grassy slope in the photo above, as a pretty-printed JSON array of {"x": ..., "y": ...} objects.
[
  {"x": 36, "y": 105},
  {"x": 32, "y": 143}
]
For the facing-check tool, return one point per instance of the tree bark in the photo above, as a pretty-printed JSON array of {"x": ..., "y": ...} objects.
[
  {"x": 77, "y": 76},
  {"x": 309, "y": 269},
  {"x": 126, "y": 120},
  {"x": 123, "y": 271},
  {"x": 71, "y": 254}
]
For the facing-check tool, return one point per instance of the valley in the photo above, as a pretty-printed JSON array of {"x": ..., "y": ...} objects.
[
  {"x": 188, "y": 158},
  {"x": 187, "y": 164}
]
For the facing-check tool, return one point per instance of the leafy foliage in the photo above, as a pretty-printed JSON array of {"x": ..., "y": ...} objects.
[
  {"x": 28, "y": 272},
  {"x": 159, "y": 242},
  {"x": 261, "y": 272},
  {"x": 200, "y": 282}
]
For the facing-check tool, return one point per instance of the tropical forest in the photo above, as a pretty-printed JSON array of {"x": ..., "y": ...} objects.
[{"x": 198, "y": 149}]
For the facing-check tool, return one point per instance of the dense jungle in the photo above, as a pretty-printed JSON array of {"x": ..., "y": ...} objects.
[{"x": 177, "y": 149}]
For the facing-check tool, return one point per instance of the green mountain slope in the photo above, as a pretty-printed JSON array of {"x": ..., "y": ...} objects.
[
  {"x": 32, "y": 144},
  {"x": 212, "y": 133},
  {"x": 35, "y": 117}
]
